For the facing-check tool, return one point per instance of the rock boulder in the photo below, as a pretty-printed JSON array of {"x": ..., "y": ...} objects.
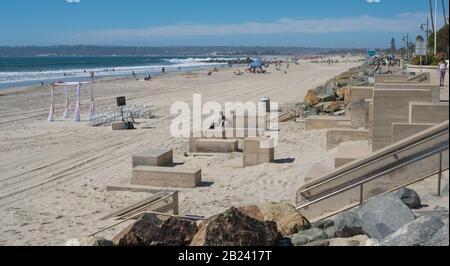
[
  {"x": 234, "y": 228},
  {"x": 308, "y": 236},
  {"x": 384, "y": 215},
  {"x": 293, "y": 224},
  {"x": 312, "y": 98},
  {"x": 409, "y": 197},
  {"x": 416, "y": 233},
  {"x": 150, "y": 231},
  {"x": 348, "y": 224},
  {"x": 355, "y": 241},
  {"x": 440, "y": 239}
]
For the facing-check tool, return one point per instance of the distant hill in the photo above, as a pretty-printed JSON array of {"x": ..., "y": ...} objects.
[{"x": 87, "y": 50}]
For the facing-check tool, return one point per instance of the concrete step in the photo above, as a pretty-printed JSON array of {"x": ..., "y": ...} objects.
[{"x": 166, "y": 177}]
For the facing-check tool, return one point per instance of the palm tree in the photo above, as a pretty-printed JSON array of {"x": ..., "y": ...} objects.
[
  {"x": 445, "y": 14},
  {"x": 432, "y": 17}
]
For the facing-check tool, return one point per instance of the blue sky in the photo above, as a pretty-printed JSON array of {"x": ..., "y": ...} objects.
[{"x": 313, "y": 23}]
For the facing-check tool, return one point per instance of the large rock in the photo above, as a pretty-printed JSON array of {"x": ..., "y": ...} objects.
[
  {"x": 440, "y": 239},
  {"x": 150, "y": 231},
  {"x": 416, "y": 233},
  {"x": 329, "y": 107},
  {"x": 324, "y": 224},
  {"x": 348, "y": 224},
  {"x": 308, "y": 236},
  {"x": 277, "y": 211},
  {"x": 409, "y": 197},
  {"x": 384, "y": 215},
  {"x": 327, "y": 93},
  {"x": 234, "y": 228},
  {"x": 355, "y": 241},
  {"x": 252, "y": 211},
  {"x": 141, "y": 233},
  {"x": 312, "y": 98},
  {"x": 293, "y": 224},
  {"x": 289, "y": 221},
  {"x": 330, "y": 232},
  {"x": 176, "y": 232},
  {"x": 344, "y": 94},
  {"x": 328, "y": 227}
]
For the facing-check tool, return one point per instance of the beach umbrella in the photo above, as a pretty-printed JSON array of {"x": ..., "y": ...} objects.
[{"x": 256, "y": 63}]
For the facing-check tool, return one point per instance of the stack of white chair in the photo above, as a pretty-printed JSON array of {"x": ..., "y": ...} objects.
[{"x": 106, "y": 118}]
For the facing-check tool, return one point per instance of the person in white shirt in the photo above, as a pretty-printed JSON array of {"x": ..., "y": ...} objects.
[{"x": 442, "y": 69}]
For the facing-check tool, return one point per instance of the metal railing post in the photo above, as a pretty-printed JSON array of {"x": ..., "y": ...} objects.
[
  {"x": 361, "y": 195},
  {"x": 440, "y": 175}
]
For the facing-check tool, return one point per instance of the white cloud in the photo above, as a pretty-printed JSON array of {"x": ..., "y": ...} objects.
[{"x": 400, "y": 23}]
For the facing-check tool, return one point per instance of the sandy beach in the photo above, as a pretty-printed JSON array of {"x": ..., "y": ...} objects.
[{"x": 53, "y": 176}]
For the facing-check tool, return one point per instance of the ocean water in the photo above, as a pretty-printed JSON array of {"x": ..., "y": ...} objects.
[{"x": 31, "y": 71}]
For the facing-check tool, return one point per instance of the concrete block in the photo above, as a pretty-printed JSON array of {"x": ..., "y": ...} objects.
[
  {"x": 326, "y": 122},
  {"x": 392, "y": 106},
  {"x": 435, "y": 90},
  {"x": 154, "y": 157},
  {"x": 360, "y": 107},
  {"x": 118, "y": 125},
  {"x": 337, "y": 136},
  {"x": 386, "y": 78},
  {"x": 258, "y": 151},
  {"x": 401, "y": 131},
  {"x": 422, "y": 78},
  {"x": 213, "y": 145},
  {"x": 432, "y": 113},
  {"x": 349, "y": 152},
  {"x": 177, "y": 177},
  {"x": 444, "y": 94}
]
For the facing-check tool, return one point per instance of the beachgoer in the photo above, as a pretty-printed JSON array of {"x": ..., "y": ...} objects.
[
  {"x": 163, "y": 70},
  {"x": 134, "y": 74},
  {"x": 378, "y": 65},
  {"x": 442, "y": 69}
]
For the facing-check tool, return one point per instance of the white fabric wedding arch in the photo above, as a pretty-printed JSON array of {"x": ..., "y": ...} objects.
[{"x": 67, "y": 87}]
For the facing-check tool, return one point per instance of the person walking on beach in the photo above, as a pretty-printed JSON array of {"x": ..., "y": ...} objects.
[{"x": 442, "y": 69}]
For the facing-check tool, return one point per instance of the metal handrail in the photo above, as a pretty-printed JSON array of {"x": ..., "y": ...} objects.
[
  {"x": 377, "y": 160},
  {"x": 361, "y": 183}
]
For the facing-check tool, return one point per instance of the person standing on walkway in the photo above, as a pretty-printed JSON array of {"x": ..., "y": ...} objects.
[{"x": 442, "y": 69}]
